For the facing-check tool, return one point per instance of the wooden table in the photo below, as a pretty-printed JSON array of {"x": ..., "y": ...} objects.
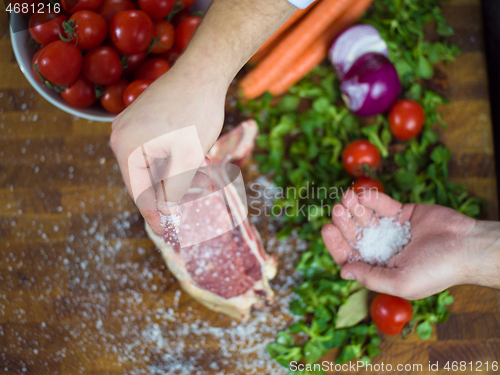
[{"x": 83, "y": 291}]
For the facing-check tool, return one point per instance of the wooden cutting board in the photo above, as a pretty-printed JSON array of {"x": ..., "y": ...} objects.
[{"x": 83, "y": 291}]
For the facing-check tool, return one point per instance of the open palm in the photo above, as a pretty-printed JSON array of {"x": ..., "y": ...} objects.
[{"x": 436, "y": 257}]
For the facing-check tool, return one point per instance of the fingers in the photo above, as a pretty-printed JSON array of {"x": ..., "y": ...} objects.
[
  {"x": 173, "y": 159},
  {"x": 343, "y": 220},
  {"x": 406, "y": 212},
  {"x": 378, "y": 279},
  {"x": 336, "y": 244},
  {"x": 361, "y": 214},
  {"x": 381, "y": 203}
]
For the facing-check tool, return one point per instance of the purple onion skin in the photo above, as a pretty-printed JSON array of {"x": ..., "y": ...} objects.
[
  {"x": 351, "y": 36},
  {"x": 372, "y": 83}
]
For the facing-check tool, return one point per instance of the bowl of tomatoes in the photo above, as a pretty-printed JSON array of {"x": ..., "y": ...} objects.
[{"x": 93, "y": 58}]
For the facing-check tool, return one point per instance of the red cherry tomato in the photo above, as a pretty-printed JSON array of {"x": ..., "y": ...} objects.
[
  {"x": 131, "y": 31},
  {"x": 358, "y": 154},
  {"x": 184, "y": 13},
  {"x": 171, "y": 55},
  {"x": 406, "y": 119},
  {"x": 109, "y": 8},
  {"x": 112, "y": 99},
  {"x": 89, "y": 29},
  {"x": 60, "y": 63},
  {"x": 73, "y": 6},
  {"x": 164, "y": 36},
  {"x": 157, "y": 9},
  {"x": 152, "y": 69},
  {"x": 102, "y": 65},
  {"x": 186, "y": 30},
  {"x": 35, "y": 61},
  {"x": 187, "y": 3},
  {"x": 365, "y": 185},
  {"x": 44, "y": 27},
  {"x": 80, "y": 94},
  {"x": 135, "y": 89},
  {"x": 390, "y": 314},
  {"x": 134, "y": 62}
]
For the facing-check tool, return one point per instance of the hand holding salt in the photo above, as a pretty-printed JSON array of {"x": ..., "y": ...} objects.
[{"x": 408, "y": 250}]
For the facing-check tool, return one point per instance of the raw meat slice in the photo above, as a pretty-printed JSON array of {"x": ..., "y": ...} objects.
[
  {"x": 229, "y": 273},
  {"x": 235, "y": 146}
]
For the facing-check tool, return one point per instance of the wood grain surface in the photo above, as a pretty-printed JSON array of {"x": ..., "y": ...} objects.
[{"x": 83, "y": 291}]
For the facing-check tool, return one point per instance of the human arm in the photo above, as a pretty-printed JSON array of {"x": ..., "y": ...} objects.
[
  {"x": 446, "y": 248},
  {"x": 484, "y": 252},
  {"x": 193, "y": 92}
]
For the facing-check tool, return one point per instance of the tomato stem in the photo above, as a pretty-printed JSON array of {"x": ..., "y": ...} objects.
[
  {"x": 34, "y": 43},
  {"x": 99, "y": 90},
  {"x": 69, "y": 28},
  {"x": 124, "y": 62},
  {"x": 47, "y": 83},
  {"x": 177, "y": 8},
  {"x": 155, "y": 41},
  {"x": 198, "y": 13}
]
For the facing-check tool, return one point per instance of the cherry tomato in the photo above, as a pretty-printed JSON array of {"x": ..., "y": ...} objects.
[
  {"x": 35, "y": 61},
  {"x": 406, "y": 119},
  {"x": 112, "y": 99},
  {"x": 186, "y": 30},
  {"x": 109, "y": 8},
  {"x": 102, "y": 65},
  {"x": 157, "y": 9},
  {"x": 88, "y": 29},
  {"x": 80, "y": 94},
  {"x": 390, "y": 314},
  {"x": 164, "y": 36},
  {"x": 366, "y": 185},
  {"x": 152, "y": 69},
  {"x": 134, "y": 62},
  {"x": 171, "y": 55},
  {"x": 135, "y": 89},
  {"x": 44, "y": 27},
  {"x": 73, "y": 6},
  {"x": 358, "y": 154},
  {"x": 60, "y": 63},
  {"x": 131, "y": 31},
  {"x": 187, "y": 3},
  {"x": 184, "y": 13}
]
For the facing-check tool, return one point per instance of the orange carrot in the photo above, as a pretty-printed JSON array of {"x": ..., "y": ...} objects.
[
  {"x": 263, "y": 52},
  {"x": 266, "y": 47},
  {"x": 310, "y": 28},
  {"x": 318, "y": 50}
]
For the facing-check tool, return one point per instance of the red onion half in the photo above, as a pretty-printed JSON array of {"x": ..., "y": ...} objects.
[
  {"x": 371, "y": 86},
  {"x": 353, "y": 43}
]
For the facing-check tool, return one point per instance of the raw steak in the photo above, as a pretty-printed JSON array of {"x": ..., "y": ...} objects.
[{"x": 228, "y": 273}]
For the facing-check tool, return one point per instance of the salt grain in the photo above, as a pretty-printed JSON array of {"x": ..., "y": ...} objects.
[{"x": 378, "y": 244}]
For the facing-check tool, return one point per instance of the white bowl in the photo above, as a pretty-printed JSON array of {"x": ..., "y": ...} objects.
[{"x": 24, "y": 55}]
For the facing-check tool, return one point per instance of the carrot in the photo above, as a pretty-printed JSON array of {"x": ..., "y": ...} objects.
[
  {"x": 315, "y": 23},
  {"x": 263, "y": 52},
  {"x": 266, "y": 47},
  {"x": 318, "y": 50}
]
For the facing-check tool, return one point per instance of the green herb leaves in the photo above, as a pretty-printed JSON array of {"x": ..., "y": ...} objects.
[
  {"x": 429, "y": 310},
  {"x": 401, "y": 23}
]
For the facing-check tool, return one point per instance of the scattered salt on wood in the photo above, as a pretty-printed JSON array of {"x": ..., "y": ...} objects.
[{"x": 379, "y": 244}]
